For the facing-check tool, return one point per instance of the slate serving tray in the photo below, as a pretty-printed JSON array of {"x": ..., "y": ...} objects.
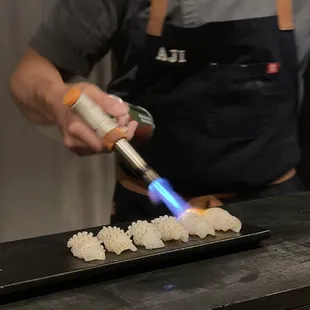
[{"x": 37, "y": 266}]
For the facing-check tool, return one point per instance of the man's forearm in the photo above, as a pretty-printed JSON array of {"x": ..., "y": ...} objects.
[{"x": 36, "y": 86}]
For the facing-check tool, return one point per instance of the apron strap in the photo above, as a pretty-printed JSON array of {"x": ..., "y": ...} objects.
[
  {"x": 285, "y": 14},
  {"x": 157, "y": 17},
  {"x": 159, "y": 10}
]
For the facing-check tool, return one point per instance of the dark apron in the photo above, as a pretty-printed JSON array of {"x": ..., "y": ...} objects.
[{"x": 224, "y": 97}]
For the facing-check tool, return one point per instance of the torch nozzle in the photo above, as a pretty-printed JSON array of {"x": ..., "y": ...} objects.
[
  {"x": 107, "y": 129},
  {"x": 161, "y": 191}
]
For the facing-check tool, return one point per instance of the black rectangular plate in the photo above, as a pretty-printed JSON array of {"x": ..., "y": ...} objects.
[{"x": 42, "y": 265}]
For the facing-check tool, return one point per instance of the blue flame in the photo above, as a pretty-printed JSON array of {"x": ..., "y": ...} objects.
[{"x": 161, "y": 191}]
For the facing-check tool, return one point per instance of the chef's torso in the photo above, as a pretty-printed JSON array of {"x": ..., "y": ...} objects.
[
  {"x": 221, "y": 82},
  {"x": 224, "y": 96},
  {"x": 194, "y": 13}
]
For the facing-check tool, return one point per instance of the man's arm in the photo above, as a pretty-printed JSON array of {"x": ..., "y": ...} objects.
[
  {"x": 75, "y": 35},
  {"x": 35, "y": 85}
]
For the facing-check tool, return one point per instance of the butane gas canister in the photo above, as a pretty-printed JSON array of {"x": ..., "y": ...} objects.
[{"x": 146, "y": 124}]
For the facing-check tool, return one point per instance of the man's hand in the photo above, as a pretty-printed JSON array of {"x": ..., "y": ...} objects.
[{"x": 78, "y": 136}]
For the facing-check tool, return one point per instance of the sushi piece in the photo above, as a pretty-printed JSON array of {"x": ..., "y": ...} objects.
[
  {"x": 89, "y": 251},
  {"x": 196, "y": 225},
  {"x": 221, "y": 220},
  {"x": 145, "y": 234},
  {"x": 85, "y": 246},
  {"x": 170, "y": 228},
  {"x": 115, "y": 240},
  {"x": 79, "y": 238}
]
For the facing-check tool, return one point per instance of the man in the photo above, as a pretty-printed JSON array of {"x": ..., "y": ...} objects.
[{"x": 221, "y": 79}]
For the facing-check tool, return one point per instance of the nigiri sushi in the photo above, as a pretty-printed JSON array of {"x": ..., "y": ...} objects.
[
  {"x": 221, "y": 220},
  {"x": 89, "y": 251},
  {"x": 79, "y": 238},
  {"x": 115, "y": 240},
  {"x": 170, "y": 228},
  {"x": 145, "y": 234},
  {"x": 196, "y": 225},
  {"x": 85, "y": 246}
]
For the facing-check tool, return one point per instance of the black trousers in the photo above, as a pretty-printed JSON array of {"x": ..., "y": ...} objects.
[{"x": 130, "y": 206}]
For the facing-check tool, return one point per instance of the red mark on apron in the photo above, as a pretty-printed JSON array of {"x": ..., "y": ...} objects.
[{"x": 273, "y": 68}]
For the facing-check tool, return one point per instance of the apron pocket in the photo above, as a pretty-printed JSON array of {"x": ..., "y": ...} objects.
[{"x": 244, "y": 99}]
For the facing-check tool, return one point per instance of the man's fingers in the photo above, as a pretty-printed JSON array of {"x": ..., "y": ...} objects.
[
  {"x": 110, "y": 105},
  {"x": 131, "y": 128},
  {"x": 114, "y": 107},
  {"x": 86, "y": 135},
  {"x": 123, "y": 120},
  {"x": 80, "y": 138},
  {"x": 72, "y": 143}
]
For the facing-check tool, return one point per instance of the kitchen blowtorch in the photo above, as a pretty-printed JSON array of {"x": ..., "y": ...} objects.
[{"x": 114, "y": 138}]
